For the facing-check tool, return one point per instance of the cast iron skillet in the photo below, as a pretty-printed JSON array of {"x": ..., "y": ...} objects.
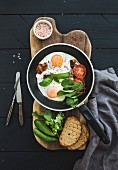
[{"x": 59, "y": 106}]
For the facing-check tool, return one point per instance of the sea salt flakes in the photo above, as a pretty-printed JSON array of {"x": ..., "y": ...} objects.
[{"x": 16, "y": 56}]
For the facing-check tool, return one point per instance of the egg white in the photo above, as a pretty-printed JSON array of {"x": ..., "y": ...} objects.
[{"x": 63, "y": 69}]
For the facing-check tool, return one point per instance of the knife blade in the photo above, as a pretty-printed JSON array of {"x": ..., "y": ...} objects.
[{"x": 19, "y": 99}]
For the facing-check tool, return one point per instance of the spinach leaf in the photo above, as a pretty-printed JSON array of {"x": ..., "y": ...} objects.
[
  {"x": 67, "y": 87},
  {"x": 56, "y": 79},
  {"x": 72, "y": 102},
  {"x": 67, "y": 82},
  {"x": 78, "y": 85},
  {"x": 70, "y": 94},
  {"x": 61, "y": 93},
  {"x": 68, "y": 91},
  {"x": 62, "y": 75},
  {"x": 46, "y": 81}
]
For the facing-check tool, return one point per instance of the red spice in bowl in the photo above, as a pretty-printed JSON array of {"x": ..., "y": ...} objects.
[{"x": 42, "y": 29}]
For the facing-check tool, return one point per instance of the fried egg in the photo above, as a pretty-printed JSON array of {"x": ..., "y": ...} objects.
[{"x": 58, "y": 62}]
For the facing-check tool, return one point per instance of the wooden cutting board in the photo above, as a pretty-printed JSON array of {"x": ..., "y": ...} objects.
[{"x": 77, "y": 38}]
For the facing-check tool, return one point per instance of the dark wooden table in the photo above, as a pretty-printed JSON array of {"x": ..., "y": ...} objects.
[{"x": 99, "y": 19}]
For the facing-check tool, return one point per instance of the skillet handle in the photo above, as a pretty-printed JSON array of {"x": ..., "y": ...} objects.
[{"x": 93, "y": 123}]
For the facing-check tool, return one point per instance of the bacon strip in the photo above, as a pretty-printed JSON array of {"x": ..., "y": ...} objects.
[{"x": 41, "y": 67}]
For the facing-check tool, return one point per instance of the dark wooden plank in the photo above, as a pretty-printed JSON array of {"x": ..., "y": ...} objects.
[
  {"x": 16, "y": 138},
  {"x": 12, "y": 61},
  {"x": 101, "y": 29},
  {"x": 7, "y": 91},
  {"x": 103, "y": 59},
  {"x": 58, "y": 6},
  {"x": 13, "y": 33},
  {"x": 40, "y": 161}
]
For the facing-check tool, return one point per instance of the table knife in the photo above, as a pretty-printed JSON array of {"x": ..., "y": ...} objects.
[
  {"x": 19, "y": 99},
  {"x": 13, "y": 100}
]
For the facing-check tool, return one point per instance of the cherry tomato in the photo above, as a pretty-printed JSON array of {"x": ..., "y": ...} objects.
[{"x": 79, "y": 71}]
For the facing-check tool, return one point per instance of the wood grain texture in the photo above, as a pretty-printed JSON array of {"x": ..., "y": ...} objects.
[
  {"x": 51, "y": 160},
  {"x": 101, "y": 29},
  {"x": 77, "y": 38}
]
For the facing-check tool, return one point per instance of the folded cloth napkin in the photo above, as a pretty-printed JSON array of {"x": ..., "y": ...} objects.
[{"x": 103, "y": 103}]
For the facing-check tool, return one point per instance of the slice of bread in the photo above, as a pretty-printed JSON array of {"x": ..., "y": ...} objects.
[
  {"x": 71, "y": 131},
  {"x": 82, "y": 140}
]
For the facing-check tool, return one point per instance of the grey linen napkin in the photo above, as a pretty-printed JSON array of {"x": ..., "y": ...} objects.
[{"x": 104, "y": 105}]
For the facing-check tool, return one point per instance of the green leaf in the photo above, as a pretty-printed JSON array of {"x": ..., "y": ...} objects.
[
  {"x": 37, "y": 115},
  {"x": 56, "y": 79},
  {"x": 77, "y": 95},
  {"x": 47, "y": 114},
  {"x": 62, "y": 75},
  {"x": 59, "y": 117},
  {"x": 61, "y": 93},
  {"x": 72, "y": 102},
  {"x": 67, "y": 87},
  {"x": 75, "y": 104},
  {"x": 67, "y": 82},
  {"x": 68, "y": 91},
  {"x": 46, "y": 81},
  {"x": 78, "y": 85},
  {"x": 70, "y": 94}
]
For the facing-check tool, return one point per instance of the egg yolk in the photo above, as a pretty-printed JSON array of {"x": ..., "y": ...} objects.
[
  {"x": 52, "y": 92},
  {"x": 57, "y": 60}
]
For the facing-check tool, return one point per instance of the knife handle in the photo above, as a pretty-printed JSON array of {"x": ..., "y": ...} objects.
[{"x": 20, "y": 114}]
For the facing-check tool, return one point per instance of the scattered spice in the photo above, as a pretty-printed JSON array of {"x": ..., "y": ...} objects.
[{"x": 77, "y": 39}]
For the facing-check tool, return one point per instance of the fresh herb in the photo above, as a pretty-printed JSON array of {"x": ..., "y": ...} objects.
[
  {"x": 56, "y": 124},
  {"x": 46, "y": 81},
  {"x": 78, "y": 85},
  {"x": 62, "y": 75},
  {"x": 67, "y": 82},
  {"x": 55, "y": 77},
  {"x": 47, "y": 115},
  {"x": 72, "y": 102},
  {"x": 71, "y": 90},
  {"x": 38, "y": 116},
  {"x": 61, "y": 93},
  {"x": 53, "y": 121}
]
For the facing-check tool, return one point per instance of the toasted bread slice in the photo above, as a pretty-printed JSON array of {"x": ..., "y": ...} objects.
[
  {"x": 71, "y": 131},
  {"x": 83, "y": 147},
  {"x": 82, "y": 140}
]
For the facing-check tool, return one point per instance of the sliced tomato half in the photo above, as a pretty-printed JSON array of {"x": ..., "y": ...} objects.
[{"x": 79, "y": 71}]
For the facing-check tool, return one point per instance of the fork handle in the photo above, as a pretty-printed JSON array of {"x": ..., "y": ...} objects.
[{"x": 20, "y": 114}]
